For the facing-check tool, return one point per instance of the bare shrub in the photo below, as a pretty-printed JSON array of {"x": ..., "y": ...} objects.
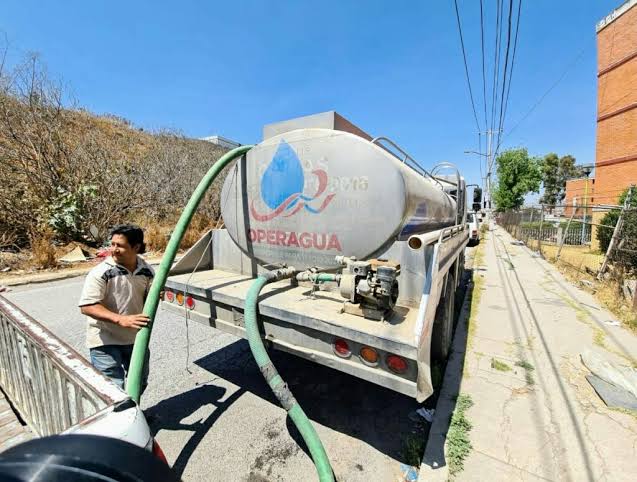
[
  {"x": 172, "y": 169},
  {"x": 43, "y": 251},
  {"x": 77, "y": 174},
  {"x": 156, "y": 237}
]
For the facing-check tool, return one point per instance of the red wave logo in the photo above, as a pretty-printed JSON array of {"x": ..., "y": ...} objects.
[{"x": 297, "y": 201}]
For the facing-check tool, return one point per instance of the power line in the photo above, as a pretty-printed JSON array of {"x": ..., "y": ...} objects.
[
  {"x": 466, "y": 68},
  {"x": 484, "y": 78},
  {"x": 506, "y": 70},
  {"x": 548, "y": 91},
  {"x": 496, "y": 63},
  {"x": 515, "y": 47},
  {"x": 508, "y": 87}
]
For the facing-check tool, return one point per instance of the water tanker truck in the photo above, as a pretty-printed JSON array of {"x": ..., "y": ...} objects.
[{"x": 363, "y": 250}]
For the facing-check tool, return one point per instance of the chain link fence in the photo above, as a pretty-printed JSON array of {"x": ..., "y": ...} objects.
[{"x": 597, "y": 240}]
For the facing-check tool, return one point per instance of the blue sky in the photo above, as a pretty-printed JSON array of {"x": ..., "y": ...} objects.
[{"x": 394, "y": 68}]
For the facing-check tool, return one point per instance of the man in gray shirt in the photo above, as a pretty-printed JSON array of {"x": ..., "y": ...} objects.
[{"x": 113, "y": 300}]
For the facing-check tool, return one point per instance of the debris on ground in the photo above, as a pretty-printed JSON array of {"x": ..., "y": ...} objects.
[
  {"x": 612, "y": 396},
  {"x": 422, "y": 412},
  {"x": 612, "y": 323},
  {"x": 12, "y": 261},
  {"x": 629, "y": 288},
  {"x": 4, "y": 289},
  {"x": 409, "y": 473},
  {"x": 615, "y": 385},
  {"x": 517, "y": 243},
  {"x": 75, "y": 255}
]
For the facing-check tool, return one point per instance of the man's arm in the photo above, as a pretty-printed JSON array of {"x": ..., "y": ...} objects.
[{"x": 100, "y": 312}]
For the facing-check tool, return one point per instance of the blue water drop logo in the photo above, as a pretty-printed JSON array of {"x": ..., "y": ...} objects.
[{"x": 283, "y": 177}]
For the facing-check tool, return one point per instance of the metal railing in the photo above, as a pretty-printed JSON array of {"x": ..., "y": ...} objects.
[
  {"x": 574, "y": 236},
  {"x": 407, "y": 159},
  {"x": 52, "y": 387}
]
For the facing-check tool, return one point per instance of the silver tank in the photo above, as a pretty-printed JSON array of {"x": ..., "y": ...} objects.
[{"x": 305, "y": 196}]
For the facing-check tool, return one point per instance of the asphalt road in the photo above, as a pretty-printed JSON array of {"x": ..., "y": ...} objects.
[{"x": 216, "y": 417}]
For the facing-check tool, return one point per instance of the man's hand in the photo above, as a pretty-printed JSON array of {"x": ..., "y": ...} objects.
[{"x": 133, "y": 321}]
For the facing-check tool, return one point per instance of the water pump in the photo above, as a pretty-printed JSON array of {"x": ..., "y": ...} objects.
[{"x": 370, "y": 287}]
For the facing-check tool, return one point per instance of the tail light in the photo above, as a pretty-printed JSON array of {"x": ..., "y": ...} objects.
[
  {"x": 397, "y": 364},
  {"x": 341, "y": 348},
  {"x": 170, "y": 296},
  {"x": 158, "y": 452},
  {"x": 369, "y": 356},
  {"x": 180, "y": 298},
  {"x": 190, "y": 302}
]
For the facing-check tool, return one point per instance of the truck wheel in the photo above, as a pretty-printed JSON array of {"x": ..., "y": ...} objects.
[{"x": 443, "y": 323}]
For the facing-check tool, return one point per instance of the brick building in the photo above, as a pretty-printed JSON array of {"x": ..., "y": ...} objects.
[
  {"x": 579, "y": 192},
  {"x": 616, "y": 149}
]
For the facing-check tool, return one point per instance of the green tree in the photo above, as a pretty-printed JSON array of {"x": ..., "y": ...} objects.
[
  {"x": 550, "y": 166},
  {"x": 555, "y": 172},
  {"x": 518, "y": 175}
]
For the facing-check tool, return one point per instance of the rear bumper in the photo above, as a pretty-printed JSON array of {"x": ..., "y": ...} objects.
[{"x": 306, "y": 342}]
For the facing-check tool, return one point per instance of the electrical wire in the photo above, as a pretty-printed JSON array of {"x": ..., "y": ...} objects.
[
  {"x": 484, "y": 77},
  {"x": 515, "y": 48},
  {"x": 506, "y": 71},
  {"x": 466, "y": 68},
  {"x": 496, "y": 64},
  {"x": 547, "y": 92}
]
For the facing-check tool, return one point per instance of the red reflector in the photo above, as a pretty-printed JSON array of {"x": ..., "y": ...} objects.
[
  {"x": 170, "y": 296},
  {"x": 159, "y": 453},
  {"x": 396, "y": 364},
  {"x": 341, "y": 348},
  {"x": 190, "y": 302}
]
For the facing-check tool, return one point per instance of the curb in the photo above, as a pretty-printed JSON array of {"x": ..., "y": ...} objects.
[
  {"x": 434, "y": 466},
  {"x": 45, "y": 277},
  {"x": 55, "y": 275}
]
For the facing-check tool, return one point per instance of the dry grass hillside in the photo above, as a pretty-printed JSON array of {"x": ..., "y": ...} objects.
[{"x": 67, "y": 175}]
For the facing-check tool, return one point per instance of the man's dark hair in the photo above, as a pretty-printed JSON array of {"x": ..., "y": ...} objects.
[{"x": 133, "y": 234}]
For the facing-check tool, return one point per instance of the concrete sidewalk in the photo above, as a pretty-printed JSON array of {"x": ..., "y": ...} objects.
[{"x": 534, "y": 414}]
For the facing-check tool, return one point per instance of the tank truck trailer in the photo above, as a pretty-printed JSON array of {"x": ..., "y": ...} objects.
[{"x": 375, "y": 241}]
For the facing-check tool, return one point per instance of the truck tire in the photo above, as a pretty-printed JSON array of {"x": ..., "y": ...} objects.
[{"x": 442, "y": 332}]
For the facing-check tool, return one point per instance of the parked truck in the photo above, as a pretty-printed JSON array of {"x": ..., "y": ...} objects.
[
  {"x": 54, "y": 390},
  {"x": 321, "y": 195}
]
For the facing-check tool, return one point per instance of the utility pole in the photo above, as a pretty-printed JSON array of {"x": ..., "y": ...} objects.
[{"x": 487, "y": 197}]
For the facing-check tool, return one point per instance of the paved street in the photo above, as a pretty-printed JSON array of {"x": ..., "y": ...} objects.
[
  {"x": 534, "y": 414},
  {"x": 217, "y": 418}
]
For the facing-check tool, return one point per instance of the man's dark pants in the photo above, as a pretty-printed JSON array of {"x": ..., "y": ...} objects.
[{"x": 113, "y": 361}]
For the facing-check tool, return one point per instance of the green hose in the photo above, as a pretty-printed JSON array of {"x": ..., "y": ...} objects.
[
  {"x": 318, "y": 277},
  {"x": 278, "y": 386},
  {"x": 134, "y": 380}
]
